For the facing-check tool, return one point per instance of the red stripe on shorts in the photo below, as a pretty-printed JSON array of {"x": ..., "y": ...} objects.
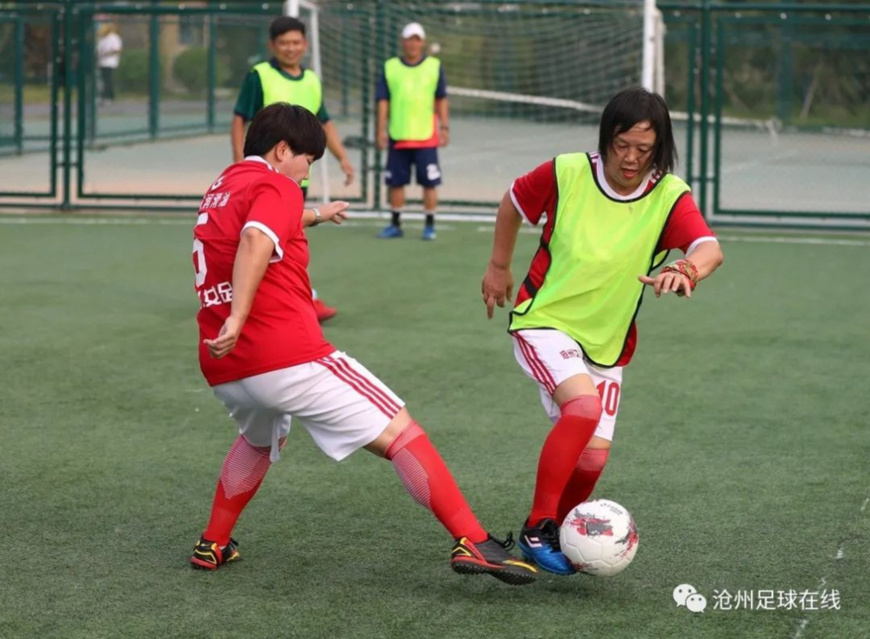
[
  {"x": 332, "y": 366},
  {"x": 368, "y": 384},
  {"x": 539, "y": 370}
]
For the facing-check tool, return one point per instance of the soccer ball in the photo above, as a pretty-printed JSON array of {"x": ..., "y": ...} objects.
[{"x": 599, "y": 538}]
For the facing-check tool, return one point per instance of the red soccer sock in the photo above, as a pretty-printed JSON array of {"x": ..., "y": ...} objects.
[
  {"x": 241, "y": 476},
  {"x": 586, "y": 473},
  {"x": 428, "y": 480},
  {"x": 561, "y": 450}
]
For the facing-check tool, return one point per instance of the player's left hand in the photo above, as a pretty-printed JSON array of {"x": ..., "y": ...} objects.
[
  {"x": 335, "y": 212},
  {"x": 444, "y": 137},
  {"x": 347, "y": 169},
  {"x": 671, "y": 282},
  {"x": 226, "y": 339}
]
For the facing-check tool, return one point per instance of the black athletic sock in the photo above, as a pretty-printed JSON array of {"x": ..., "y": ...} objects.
[{"x": 396, "y": 218}]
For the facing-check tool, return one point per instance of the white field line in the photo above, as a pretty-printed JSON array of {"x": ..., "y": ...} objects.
[{"x": 77, "y": 220}]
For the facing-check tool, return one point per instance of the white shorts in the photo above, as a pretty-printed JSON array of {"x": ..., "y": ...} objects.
[
  {"x": 550, "y": 357},
  {"x": 341, "y": 403}
]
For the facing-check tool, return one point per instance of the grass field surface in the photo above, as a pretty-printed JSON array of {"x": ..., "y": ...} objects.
[{"x": 741, "y": 448}]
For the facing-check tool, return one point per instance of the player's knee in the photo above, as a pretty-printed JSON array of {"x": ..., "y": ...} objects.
[
  {"x": 593, "y": 460},
  {"x": 404, "y": 435},
  {"x": 582, "y": 409}
]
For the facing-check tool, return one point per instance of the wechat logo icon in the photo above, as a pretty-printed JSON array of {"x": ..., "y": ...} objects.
[{"x": 687, "y": 595}]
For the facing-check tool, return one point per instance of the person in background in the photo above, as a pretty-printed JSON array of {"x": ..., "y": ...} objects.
[
  {"x": 285, "y": 79},
  {"x": 109, "y": 47},
  {"x": 413, "y": 121}
]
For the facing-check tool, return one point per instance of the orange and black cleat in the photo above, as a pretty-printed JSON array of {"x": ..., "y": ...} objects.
[
  {"x": 207, "y": 555},
  {"x": 491, "y": 557}
]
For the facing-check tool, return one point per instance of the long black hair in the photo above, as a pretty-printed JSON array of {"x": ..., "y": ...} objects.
[{"x": 633, "y": 105}]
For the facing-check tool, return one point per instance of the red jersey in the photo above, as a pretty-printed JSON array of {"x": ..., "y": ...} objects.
[
  {"x": 282, "y": 328},
  {"x": 535, "y": 193}
]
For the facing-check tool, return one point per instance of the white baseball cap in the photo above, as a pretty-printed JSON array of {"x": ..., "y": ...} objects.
[{"x": 413, "y": 29}]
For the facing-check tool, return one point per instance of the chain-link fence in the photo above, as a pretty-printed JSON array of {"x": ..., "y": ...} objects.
[{"x": 771, "y": 102}]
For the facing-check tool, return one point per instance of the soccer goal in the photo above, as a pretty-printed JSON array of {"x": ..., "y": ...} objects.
[{"x": 526, "y": 80}]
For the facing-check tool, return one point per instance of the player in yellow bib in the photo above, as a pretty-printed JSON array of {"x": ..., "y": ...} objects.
[
  {"x": 285, "y": 79},
  {"x": 413, "y": 114},
  {"x": 609, "y": 220}
]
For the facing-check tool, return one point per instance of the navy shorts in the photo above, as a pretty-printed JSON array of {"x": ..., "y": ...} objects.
[{"x": 399, "y": 163}]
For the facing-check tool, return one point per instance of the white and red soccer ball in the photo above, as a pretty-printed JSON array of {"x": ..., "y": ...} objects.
[{"x": 599, "y": 537}]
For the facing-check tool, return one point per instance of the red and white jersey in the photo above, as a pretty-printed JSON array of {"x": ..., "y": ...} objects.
[
  {"x": 282, "y": 328},
  {"x": 535, "y": 194}
]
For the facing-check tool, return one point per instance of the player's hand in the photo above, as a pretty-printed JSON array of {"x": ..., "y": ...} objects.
[
  {"x": 382, "y": 140},
  {"x": 497, "y": 287},
  {"x": 226, "y": 339},
  {"x": 665, "y": 283},
  {"x": 335, "y": 212},
  {"x": 444, "y": 137},
  {"x": 347, "y": 169}
]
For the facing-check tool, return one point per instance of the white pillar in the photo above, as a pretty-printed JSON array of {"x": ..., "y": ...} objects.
[
  {"x": 649, "y": 50},
  {"x": 291, "y": 8}
]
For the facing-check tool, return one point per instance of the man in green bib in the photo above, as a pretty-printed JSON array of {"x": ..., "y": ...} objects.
[
  {"x": 412, "y": 123},
  {"x": 609, "y": 219},
  {"x": 284, "y": 79}
]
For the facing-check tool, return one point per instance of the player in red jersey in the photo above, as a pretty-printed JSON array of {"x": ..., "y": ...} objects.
[
  {"x": 611, "y": 217},
  {"x": 263, "y": 352}
]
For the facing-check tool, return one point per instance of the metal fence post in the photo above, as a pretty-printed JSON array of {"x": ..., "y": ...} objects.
[
  {"x": 690, "y": 102},
  {"x": 706, "y": 25},
  {"x": 154, "y": 74},
  {"x": 345, "y": 66},
  {"x": 67, "y": 43},
  {"x": 211, "y": 72},
  {"x": 785, "y": 72},
  {"x": 85, "y": 71},
  {"x": 719, "y": 96},
  {"x": 56, "y": 52},
  {"x": 380, "y": 46},
  {"x": 19, "y": 85}
]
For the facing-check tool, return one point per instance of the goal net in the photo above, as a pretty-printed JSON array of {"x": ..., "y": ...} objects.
[{"x": 526, "y": 80}]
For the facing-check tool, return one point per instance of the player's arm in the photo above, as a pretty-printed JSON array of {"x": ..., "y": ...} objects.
[
  {"x": 442, "y": 109},
  {"x": 498, "y": 281},
  {"x": 686, "y": 229},
  {"x": 383, "y": 114},
  {"x": 382, "y": 99},
  {"x": 335, "y": 212},
  {"x": 529, "y": 198},
  {"x": 250, "y": 101},
  {"x": 237, "y": 136},
  {"x": 252, "y": 259},
  {"x": 333, "y": 143},
  {"x": 706, "y": 257}
]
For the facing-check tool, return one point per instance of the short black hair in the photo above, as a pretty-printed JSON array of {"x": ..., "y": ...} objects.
[
  {"x": 282, "y": 25},
  {"x": 633, "y": 105},
  {"x": 290, "y": 123}
]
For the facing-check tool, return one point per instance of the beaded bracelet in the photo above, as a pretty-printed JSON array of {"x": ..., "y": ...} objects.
[{"x": 684, "y": 267}]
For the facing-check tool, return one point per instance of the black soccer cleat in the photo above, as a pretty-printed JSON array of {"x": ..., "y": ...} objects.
[
  {"x": 207, "y": 555},
  {"x": 491, "y": 557}
]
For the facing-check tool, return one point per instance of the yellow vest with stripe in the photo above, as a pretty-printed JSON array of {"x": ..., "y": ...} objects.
[
  {"x": 412, "y": 98},
  {"x": 597, "y": 248},
  {"x": 277, "y": 87}
]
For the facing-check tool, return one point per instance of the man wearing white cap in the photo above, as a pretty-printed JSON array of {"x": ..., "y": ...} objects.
[{"x": 413, "y": 116}]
